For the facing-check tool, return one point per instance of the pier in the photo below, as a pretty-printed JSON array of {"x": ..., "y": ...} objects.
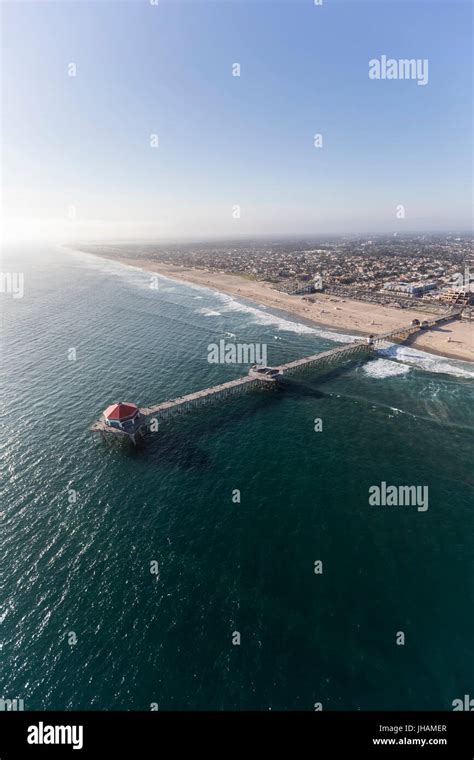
[
  {"x": 200, "y": 398},
  {"x": 259, "y": 376}
]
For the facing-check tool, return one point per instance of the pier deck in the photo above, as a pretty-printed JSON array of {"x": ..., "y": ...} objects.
[
  {"x": 224, "y": 389},
  {"x": 326, "y": 359}
]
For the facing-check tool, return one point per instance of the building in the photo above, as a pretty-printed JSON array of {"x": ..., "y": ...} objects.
[
  {"x": 121, "y": 415},
  {"x": 307, "y": 287},
  {"x": 410, "y": 288},
  {"x": 456, "y": 296},
  {"x": 125, "y": 418}
]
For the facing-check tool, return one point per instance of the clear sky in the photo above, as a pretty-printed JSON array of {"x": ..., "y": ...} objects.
[{"x": 81, "y": 145}]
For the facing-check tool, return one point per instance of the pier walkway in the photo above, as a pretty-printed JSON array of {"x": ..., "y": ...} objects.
[
  {"x": 184, "y": 403},
  {"x": 260, "y": 376}
]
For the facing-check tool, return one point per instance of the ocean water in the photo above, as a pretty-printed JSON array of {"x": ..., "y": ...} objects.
[{"x": 86, "y": 625}]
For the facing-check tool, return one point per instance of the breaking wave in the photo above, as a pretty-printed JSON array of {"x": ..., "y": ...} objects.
[
  {"x": 381, "y": 368},
  {"x": 428, "y": 362}
]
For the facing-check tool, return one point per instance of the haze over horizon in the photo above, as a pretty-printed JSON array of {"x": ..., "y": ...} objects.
[{"x": 77, "y": 158}]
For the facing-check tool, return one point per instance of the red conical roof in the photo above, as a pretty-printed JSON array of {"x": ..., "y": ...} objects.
[{"x": 120, "y": 411}]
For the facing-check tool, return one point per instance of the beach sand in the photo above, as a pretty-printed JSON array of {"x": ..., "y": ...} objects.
[{"x": 454, "y": 340}]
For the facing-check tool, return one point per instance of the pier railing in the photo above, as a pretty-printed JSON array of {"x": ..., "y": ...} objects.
[{"x": 185, "y": 403}]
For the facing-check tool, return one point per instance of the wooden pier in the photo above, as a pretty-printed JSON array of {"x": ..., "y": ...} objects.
[
  {"x": 261, "y": 376},
  {"x": 199, "y": 398},
  {"x": 327, "y": 359}
]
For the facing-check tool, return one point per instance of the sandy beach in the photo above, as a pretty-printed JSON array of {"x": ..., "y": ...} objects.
[{"x": 454, "y": 340}]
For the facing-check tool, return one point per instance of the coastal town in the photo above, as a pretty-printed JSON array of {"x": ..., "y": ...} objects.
[{"x": 392, "y": 270}]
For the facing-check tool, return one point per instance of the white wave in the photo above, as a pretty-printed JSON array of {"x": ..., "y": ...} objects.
[
  {"x": 259, "y": 315},
  {"x": 209, "y": 312},
  {"x": 335, "y": 336},
  {"x": 385, "y": 368},
  {"x": 131, "y": 274},
  {"x": 404, "y": 354},
  {"x": 266, "y": 318},
  {"x": 429, "y": 362}
]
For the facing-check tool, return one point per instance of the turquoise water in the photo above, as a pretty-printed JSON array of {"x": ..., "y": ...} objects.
[{"x": 83, "y": 568}]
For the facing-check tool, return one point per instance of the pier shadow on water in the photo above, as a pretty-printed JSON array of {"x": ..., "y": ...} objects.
[
  {"x": 180, "y": 439},
  {"x": 171, "y": 447},
  {"x": 309, "y": 382}
]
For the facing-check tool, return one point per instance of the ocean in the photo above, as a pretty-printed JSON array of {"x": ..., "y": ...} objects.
[{"x": 234, "y": 615}]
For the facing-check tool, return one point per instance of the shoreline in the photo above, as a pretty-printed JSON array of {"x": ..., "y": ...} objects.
[{"x": 331, "y": 312}]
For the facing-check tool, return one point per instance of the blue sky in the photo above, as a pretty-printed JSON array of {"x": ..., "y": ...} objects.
[{"x": 83, "y": 142}]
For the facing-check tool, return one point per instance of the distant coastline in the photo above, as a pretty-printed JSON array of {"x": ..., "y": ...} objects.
[{"x": 454, "y": 340}]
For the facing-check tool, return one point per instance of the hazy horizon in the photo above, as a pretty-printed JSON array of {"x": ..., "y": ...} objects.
[{"x": 289, "y": 236}]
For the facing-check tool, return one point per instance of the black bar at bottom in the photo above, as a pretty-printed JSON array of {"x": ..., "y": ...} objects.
[{"x": 147, "y": 734}]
